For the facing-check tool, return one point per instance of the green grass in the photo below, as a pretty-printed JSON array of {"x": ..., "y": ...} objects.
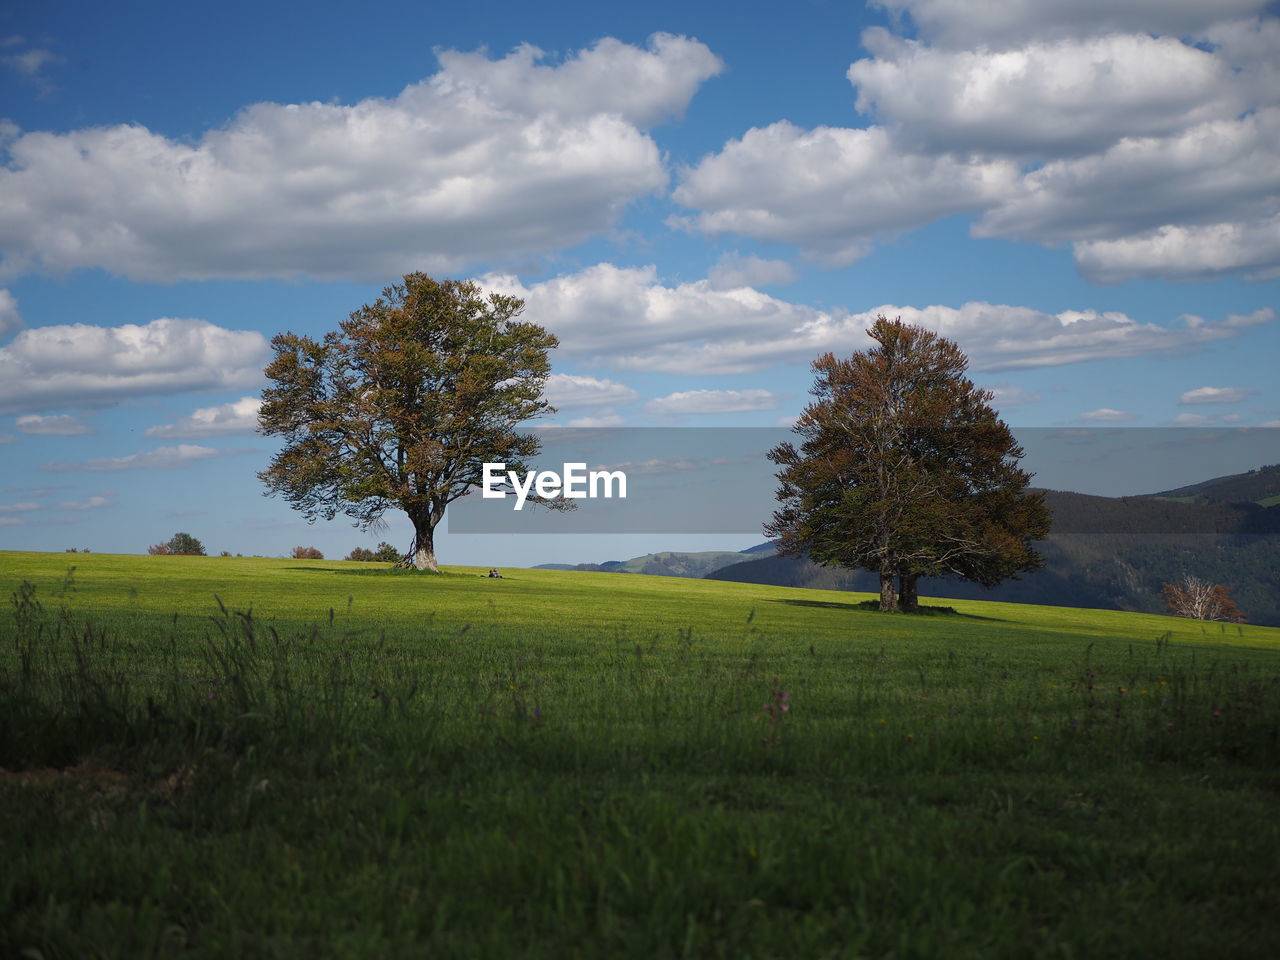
[{"x": 263, "y": 758}]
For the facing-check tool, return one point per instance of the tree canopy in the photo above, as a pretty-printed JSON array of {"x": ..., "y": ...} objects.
[
  {"x": 906, "y": 470},
  {"x": 399, "y": 407}
]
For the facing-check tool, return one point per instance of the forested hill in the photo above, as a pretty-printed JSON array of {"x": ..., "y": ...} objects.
[
  {"x": 1261, "y": 486},
  {"x": 1113, "y": 553}
]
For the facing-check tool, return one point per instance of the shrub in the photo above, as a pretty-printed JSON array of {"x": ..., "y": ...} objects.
[
  {"x": 385, "y": 553},
  {"x": 306, "y": 553},
  {"x": 159, "y": 550}
]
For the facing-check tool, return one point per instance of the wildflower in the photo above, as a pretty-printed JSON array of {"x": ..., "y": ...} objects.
[
  {"x": 1124, "y": 692},
  {"x": 1217, "y": 714},
  {"x": 1143, "y": 692},
  {"x": 511, "y": 686},
  {"x": 911, "y": 736},
  {"x": 1035, "y": 738}
]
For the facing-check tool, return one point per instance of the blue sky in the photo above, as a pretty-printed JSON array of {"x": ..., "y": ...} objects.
[{"x": 697, "y": 198}]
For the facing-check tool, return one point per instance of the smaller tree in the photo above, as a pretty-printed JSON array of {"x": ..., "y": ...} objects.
[
  {"x": 387, "y": 553},
  {"x": 1198, "y": 599},
  {"x": 306, "y": 553},
  {"x": 180, "y": 544},
  {"x": 361, "y": 555}
]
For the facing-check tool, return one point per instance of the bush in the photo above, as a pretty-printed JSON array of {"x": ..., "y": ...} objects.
[
  {"x": 159, "y": 550},
  {"x": 385, "y": 553},
  {"x": 306, "y": 553}
]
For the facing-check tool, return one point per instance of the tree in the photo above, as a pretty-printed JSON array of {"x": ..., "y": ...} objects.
[
  {"x": 180, "y": 544},
  {"x": 306, "y": 553},
  {"x": 399, "y": 408},
  {"x": 906, "y": 470},
  {"x": 1198, "y": 599}
]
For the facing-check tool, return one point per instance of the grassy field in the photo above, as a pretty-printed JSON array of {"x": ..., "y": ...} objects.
[{"x": 213, "y": 757}]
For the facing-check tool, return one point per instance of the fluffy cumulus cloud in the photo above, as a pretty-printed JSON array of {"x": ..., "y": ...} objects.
[
  {"x": 567, "y": 391},
  {"x": 1108, "y": 415},
  {"x": 58, "y": 425},
  {"x": 1044, "y": 98},
  {"x": 81, "y": 364},
  {"x": 239, "y": 416},
  {"x": 734, "y": 270},
  {"x": 980, "y": 22},
  {"x": 483, "y": 160},
  {"x": 712, "y": 401},
  {"x": 832, "y": 191},
  {"x": 1217, "y": 395},
  {"x": 626, "y": 318},
  {"x": 10, "y": 318},
  {"x": 161, "y": 458},
  {"x": 1144, "y": 135}
]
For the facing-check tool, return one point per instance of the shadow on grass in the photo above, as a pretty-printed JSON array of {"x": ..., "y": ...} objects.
[{"x": 873, "y": 606}]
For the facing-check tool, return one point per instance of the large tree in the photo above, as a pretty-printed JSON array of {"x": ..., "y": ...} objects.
[
  {"x": 906, "y": 470},
  {"x": 399, "y": 408}
]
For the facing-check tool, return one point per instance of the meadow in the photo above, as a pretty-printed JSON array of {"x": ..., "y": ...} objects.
[{"x": 211, "y": 757}]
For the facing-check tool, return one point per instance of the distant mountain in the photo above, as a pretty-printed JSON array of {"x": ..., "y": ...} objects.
[
  {"x": 1113, "y": 553},
  {"x": 670, "y": 563},
  {"x": 1261, "y": 486}
]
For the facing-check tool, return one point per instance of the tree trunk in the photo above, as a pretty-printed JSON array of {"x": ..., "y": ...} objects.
[
  {"x": 908, "y": 598},
  {"x": 424, "y": 547},
  {"x": 888, "y": 600}
]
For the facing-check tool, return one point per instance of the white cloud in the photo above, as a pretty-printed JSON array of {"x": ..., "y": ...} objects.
[
  {"x": 627, "y": 319},
  {"x": 11, "y": 521},
  {"x": 484, "y": 160},
  {"x": 1144, "y": 135},
  {"x": 1067, "y": 96},
  {"x": 565, "y": 390},
  {"x": 10, "y": 318},
  {"x": 1007, "y": 395},
  {"x": 1192, "y": 420},
  {"x": 1108, "y": 415},
  {"x": 1205, "y": 174},
  {"x": 80, "y": 364},
  {"x": 973, "y": 22},
  {"x": 161, "y": 458},
  {"x": 734, "y": 270},
  {"x": 1249, "y": 245},
  {"x": 25, "y": 507},
  {"x": 832, "y": 191},
  {"x": 29, "y": 63},
  {"x": 93, "y": 503},
  {"x": 239, "y": 416},
  {"x": 1216, "y": 395},
  {"x": 712, "y": 401},
  {"x": 59, "y": 425},
  {"x": 606, "y": 418}
]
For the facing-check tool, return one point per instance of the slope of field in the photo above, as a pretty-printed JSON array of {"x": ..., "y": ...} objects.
[{"x": 233, "y": 757}]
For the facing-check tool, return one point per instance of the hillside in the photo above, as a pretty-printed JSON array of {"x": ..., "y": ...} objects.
[
  {"x": 669, "y": 563},
  {"x": 1261, "y": 486},
  {"x": 1112, "y": 553}
]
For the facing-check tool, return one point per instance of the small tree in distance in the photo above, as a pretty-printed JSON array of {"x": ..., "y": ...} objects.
[
  {"x": 180, "y": 544},
  {"x": 906, "y": 470},
  {"x": 306, "y": 553},
  {"x": 1198, "y": 599},
  {"x": 400, "y": 407}
]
